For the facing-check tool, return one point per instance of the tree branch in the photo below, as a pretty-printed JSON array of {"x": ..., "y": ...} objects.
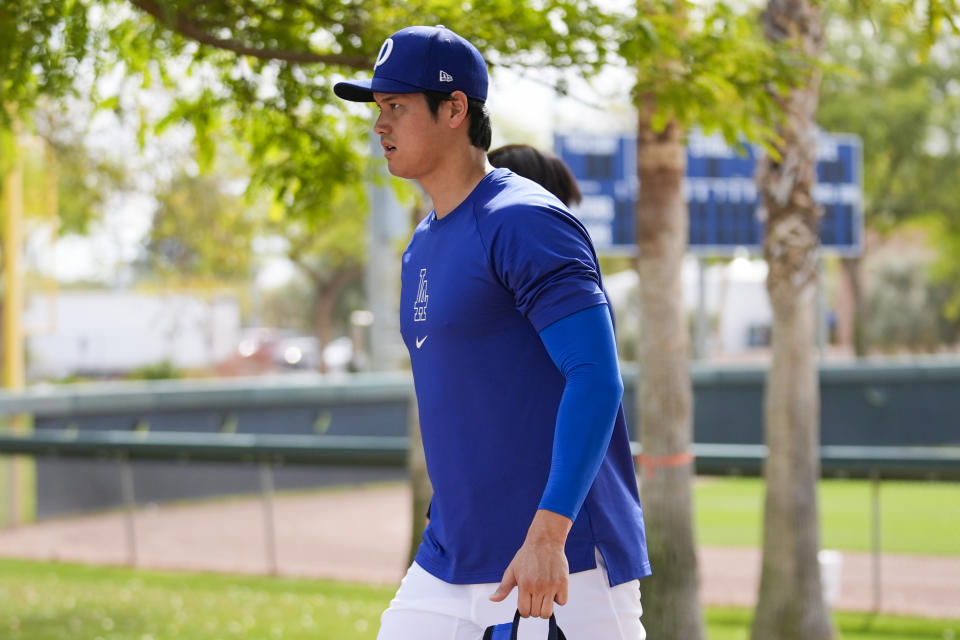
[{"x": 191, "y": 29}]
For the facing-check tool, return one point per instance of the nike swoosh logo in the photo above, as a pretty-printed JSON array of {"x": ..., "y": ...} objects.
[{"x": 420, "y": 341}]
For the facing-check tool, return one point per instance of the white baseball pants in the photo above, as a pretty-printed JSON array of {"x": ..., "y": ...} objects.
[{"x": 427, "y": 608}]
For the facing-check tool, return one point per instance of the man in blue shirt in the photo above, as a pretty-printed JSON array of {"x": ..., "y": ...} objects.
[{"x": 515, "y": 367}]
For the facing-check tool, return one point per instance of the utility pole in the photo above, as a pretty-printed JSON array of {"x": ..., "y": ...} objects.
[{"x": 13, "y": 375}]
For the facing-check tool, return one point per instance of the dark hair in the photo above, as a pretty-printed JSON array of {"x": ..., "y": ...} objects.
[
  {"x": 542, "y": 167},
  {"x": 480, "y": 130}
]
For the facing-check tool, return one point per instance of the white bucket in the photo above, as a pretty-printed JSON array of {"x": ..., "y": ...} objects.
[{"x": 831, "y": 573}]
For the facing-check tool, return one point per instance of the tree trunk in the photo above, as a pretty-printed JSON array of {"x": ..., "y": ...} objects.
[
  {"x": 790, "y": 604},
  {"x": 327, "y": 290},
  {"x": 670, "y": 597},
  {"x": 323, "y": 322},
  {"x": 422, "y": 490},
  {"x": 851, "y": 267}
]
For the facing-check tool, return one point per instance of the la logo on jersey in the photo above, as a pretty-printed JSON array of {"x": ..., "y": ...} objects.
[{"x": 420, "y": 305}]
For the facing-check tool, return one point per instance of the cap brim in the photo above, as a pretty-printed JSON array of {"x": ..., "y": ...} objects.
[
  {"x": 362, "y": 90},
  {"x": 354, "y": 91}
]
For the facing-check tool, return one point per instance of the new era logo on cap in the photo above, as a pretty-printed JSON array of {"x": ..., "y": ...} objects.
[{"x": 409, "y": 62}]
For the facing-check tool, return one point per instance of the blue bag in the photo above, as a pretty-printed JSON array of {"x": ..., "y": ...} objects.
[{"x": 508, "y": 630}]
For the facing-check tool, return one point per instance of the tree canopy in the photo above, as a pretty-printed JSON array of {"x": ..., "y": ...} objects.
[
  {"x": 903, "y": 99},
  {"x": 905, "y": 107},
  {"x": 265, "y": 69},
  {"x": 200, "y": 232}
]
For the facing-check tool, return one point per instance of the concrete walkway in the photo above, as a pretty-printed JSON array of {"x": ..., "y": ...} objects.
[{"x": 361, "y": 535}]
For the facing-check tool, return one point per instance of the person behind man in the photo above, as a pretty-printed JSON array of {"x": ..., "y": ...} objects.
[
  {"x": 515, "y": 369},
  {"x": 543, "y": 167}
]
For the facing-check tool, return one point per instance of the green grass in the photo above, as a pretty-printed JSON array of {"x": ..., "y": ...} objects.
[
  {"x": 49, "y": 601},
  {"x": 734, "y": 624},
  {"x": 916, "y": 517},
  {"x": 44, "y": 601}
]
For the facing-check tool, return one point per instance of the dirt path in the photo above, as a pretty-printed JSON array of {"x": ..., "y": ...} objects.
[{"x": 361, "y": 535}]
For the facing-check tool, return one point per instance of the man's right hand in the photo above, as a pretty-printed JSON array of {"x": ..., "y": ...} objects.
[{"x": 539, "y": 570}]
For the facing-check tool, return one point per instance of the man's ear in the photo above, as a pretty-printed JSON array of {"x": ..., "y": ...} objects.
[{"x": 458, "y": 108}]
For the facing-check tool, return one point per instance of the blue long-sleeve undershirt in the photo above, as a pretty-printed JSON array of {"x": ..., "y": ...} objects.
[{"x": 583, "y": 347}]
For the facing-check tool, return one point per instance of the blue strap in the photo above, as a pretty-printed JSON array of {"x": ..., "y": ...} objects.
[
  {"x": 509, "y": 630},
  {"x": 583, "y": 347}
]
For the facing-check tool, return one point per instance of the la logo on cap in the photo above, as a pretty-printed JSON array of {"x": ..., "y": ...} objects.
[
  {"x": 445, "y": 77},
  {"x": 385, "y": 52}
]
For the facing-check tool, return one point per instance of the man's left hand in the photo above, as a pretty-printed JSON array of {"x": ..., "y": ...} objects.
[{"x": 539, "y": 569}]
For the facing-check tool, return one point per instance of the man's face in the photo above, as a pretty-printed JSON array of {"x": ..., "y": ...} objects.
[{"x": 412, "y": 139}]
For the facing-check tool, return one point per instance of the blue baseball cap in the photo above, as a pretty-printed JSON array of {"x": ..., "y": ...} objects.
[{"x": 419, "y": 59}]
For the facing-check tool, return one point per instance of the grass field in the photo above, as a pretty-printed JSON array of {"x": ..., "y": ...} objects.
[
  {"x": 916, "y": 517},
  {"x": 43, "y": 601}
]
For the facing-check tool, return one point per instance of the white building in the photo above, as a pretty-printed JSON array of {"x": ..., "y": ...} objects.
[
  {"x": 109, "y": 332},
  {"x": 734, "y": 296}
]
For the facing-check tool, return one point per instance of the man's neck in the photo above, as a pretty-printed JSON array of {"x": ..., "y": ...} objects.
[{"x": 455, "y": 180}]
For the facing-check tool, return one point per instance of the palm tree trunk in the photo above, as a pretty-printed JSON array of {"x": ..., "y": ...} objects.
[
  {"x": 671, "y": 600},
  {"x": 790, "y": 604}
]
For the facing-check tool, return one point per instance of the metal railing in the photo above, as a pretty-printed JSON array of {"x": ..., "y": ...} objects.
[
  {"x": 266, "y": 451},
  {"x": 382, "y": 451},
  {"x": 875, "y": 463}
]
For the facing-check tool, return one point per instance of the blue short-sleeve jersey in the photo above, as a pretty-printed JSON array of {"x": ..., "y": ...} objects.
[{"x": 477, "y": 287}]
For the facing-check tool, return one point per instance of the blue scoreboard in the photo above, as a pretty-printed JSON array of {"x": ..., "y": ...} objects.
[{"x": 725, "y": 212}]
